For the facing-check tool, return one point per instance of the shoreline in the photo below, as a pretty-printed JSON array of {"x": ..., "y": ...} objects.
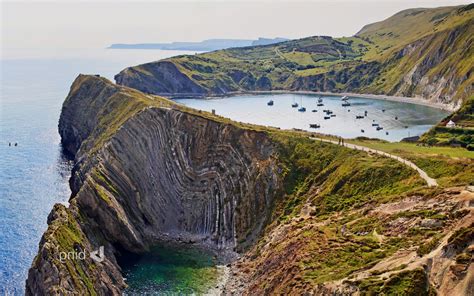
[{"x": 408, "y": 100}]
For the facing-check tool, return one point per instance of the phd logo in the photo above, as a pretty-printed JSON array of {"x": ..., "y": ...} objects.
[{"x": 98, "y": 255}]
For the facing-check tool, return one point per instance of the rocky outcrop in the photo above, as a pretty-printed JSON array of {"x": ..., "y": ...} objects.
[
  {"x": 431, "y": 67},
  {"x": 161, "y": 174},
  {"x": 161, "y": 78}
]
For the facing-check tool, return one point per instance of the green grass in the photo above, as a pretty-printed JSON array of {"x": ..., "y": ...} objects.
[
  {"x": 369, "y": 62},
  {"x": 410, "y": 282},
  {"x": 346, "y": 178},
  {"x": 399, "y": 148},
  {"x": 449, "y": 165}
]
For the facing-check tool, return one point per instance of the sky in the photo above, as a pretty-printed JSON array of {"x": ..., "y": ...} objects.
[{"x": 36, "y": 25}]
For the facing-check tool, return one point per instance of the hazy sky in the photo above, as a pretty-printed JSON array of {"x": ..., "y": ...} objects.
[{"x": 87, "y": 24}]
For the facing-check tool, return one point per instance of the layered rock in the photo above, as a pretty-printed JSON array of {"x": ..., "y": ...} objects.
[
  {"x": 162, "y": 173},
  {"x": 306, "y": 216}
]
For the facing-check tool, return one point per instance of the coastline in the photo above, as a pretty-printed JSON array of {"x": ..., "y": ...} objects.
[{"x": 409, "y": 100}]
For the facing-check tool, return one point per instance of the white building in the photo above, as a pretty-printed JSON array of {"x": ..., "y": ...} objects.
[{"x": 451, "y": 124}]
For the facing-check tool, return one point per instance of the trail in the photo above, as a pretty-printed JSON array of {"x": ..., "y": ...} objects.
[{"x": 430, "y": 181}]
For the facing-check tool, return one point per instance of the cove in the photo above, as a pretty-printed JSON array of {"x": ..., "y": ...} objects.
[
  {"x": 171, "y": 269},
  {"x": 397, "y": 119}
]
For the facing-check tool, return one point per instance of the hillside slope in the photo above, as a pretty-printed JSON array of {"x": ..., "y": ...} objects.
[
  {"x": 418, "y": 52},
  {"x": 304, "y": 215}
]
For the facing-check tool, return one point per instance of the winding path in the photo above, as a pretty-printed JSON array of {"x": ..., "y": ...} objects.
[{"x": 430, "y": 181}]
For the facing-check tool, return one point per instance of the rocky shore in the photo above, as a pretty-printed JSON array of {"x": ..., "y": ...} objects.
[{"x": 285, "y": 214}]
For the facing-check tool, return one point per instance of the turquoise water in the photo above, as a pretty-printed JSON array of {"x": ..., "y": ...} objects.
[
  {"x": 34, "y": 175},
  {"x": 412, "y": 120},
  {"x": 171, "y": 270}
]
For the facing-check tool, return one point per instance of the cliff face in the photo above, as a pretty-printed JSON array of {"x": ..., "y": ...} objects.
[
  {"x": 305, "y": 216},
  {"x": 161, "y": 173},
  {"x": 423, "y": 53},
  {"x": 160, "y": 78}
]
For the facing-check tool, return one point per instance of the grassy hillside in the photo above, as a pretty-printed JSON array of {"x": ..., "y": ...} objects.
[
  {"x": 416, "y": 52},
  {"x": 462, "y": 134}
]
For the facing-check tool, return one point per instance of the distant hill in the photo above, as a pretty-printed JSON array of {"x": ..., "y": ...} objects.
[
  {"x": 422, "y": 52},
  {"x": 205, "y": 45}
]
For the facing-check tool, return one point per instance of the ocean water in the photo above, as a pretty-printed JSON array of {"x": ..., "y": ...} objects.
[
  {"x": 171, "y": 270},
  {"x": 399, "y": 120},
  {"x": 34, "y": 174}
]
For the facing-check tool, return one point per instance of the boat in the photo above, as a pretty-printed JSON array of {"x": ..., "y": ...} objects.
[
  {"x": 375, "y": 124},
  {"x": 314, "y": 125},
  {"x": 333, "y": 115},
  {"x": 346, "y": 104},
  {"x": 320, "y": 104},
  {"x": 314, "y": 110},
  {"x": 294, "y": 105},
  {"x": 396, "y": 117},
  {"x": 270, "y": 103},
  {"x": 362, "y": 131},
  {"x": 379, "y": 128},
  {"x": 302, "y": 109},
  {"x": 359, "y": 117},
  {"x": 345, "y": 98},
  {"x": 327, "y": 117},
  {"x": 386, "y": 133},
  {"x": 383, "y": 110},
  {"x": 320, "y": 100}
]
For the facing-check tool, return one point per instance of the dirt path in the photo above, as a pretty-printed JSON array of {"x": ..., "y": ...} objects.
[{"x": 430, "y": 181}]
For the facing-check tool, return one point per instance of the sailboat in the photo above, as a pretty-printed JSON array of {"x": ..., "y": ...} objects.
[
  {"x": 302, "y": 109},
  {"x": 294, "y": 105}
]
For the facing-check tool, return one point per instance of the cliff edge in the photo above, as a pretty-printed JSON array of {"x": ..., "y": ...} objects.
[{"x": 305, "y": 216}]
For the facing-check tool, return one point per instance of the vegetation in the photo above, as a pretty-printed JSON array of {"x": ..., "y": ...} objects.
[
  {"x": 345, "y": 178},
  {"x": 375, "y": 60},
  {"x": 461, "y": 135},
  {"x": 449, "y": 165},
  {"x": 410, "y": 282}
]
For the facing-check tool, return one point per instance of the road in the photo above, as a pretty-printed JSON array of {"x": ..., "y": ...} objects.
[{"x": 430, "y": 181}]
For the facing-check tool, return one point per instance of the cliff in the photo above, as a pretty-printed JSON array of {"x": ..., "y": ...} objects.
[
  {"x": 305, "y": 216},
  {"x": 146, "y": 170},
  {"x": 423, "y": 53}
]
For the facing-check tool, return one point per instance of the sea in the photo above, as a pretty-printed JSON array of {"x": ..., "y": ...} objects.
[{"x": 34, "y": 174}]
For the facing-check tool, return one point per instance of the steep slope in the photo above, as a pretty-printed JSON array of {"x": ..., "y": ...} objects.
[
  {"x": 146, "y": 171},
  {"x": 460, "y": 135},
  {"x": 424, "y": 53},
  {"x": 306, "y": 216}
]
